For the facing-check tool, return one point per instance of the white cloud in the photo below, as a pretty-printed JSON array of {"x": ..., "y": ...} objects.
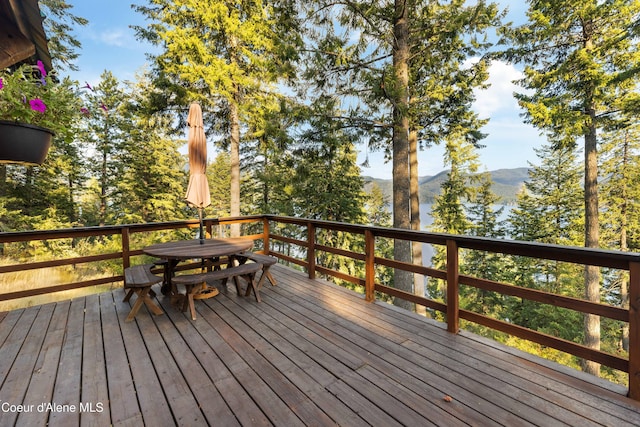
[
  {"x": 499, "y": 96},
  {"x": 118, "y": 37}
]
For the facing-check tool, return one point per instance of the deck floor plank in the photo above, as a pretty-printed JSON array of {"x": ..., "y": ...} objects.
[
  {"x": 94, "y": 389},
  {"x": 235, "y": 354},
  {"x": 310, "y": 353},
  {"x": 272, "y": 348},
  {"x": 372, "y": 348},
  {"x": 17, "y": 381},
  {"x": 42, "y": 382},
  {"x": 184, "y": 406},
  {"x": 152, "y": 401},
  {"x": 444, "y": 365},
  {"x": 222, "y": 365},
  {"x": 9, "y": 320},
  {"x": 15, "y": 332},
  {"x": 299, "y": 364},
  {"x": 516, "y": 379},
  {"x": 556, "y": 410},
  {"x": 68, "y": 382},
  {"x": 123, "y": 404},
  {"x": 186, "y": 356}
]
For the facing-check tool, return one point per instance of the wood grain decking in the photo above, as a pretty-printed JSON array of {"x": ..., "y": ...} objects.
[{"x": 310, "y": 354}]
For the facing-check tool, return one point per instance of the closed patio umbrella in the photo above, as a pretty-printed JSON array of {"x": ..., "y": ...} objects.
[{"x": 198, "y": 194}]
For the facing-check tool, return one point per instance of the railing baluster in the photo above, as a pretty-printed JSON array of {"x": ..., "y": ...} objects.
[
  {"x": 453, "y": 301},
  {"x": 370, "y": 266},
  {"x": 634, "y": 330},
  {"x": 126, "y": 260},
  {"x": 311, "y": 250},
  {"x": 266, "y": 232}
]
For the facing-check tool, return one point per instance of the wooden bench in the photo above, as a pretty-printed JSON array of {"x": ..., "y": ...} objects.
[
  {"x": 266, "y": 261},
  {"x": 193, "y": 282},
  {"x": 139, "y": 279}
]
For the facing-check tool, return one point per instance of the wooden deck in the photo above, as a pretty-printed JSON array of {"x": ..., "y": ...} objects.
[{"x": 310, "y": 354}]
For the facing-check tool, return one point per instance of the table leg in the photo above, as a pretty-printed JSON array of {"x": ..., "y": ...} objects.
[{"x": 168, "y": 288}]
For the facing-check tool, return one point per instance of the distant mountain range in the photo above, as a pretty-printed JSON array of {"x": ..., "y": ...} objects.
[{"x": 506, "y": 184}]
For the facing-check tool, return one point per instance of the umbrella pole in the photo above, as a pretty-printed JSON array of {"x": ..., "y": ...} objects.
[{"x": 201, "y": 227}]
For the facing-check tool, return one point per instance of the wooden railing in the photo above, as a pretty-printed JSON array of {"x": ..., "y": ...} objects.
[{"x": 306, "y": 256}]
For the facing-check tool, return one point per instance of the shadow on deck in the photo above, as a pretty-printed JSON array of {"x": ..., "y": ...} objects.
[{"x": 310, "y": 354}]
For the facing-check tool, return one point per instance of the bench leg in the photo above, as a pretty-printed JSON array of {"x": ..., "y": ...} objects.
[
  {"x": 128, "y": 296},
  {"x": 188, "y": 301},
  {"x": 143, "y": 297},
  {"x": 266, "y": 274},
  {"x": 251, "y": 284},
  {"x": 237, "y": 282}
]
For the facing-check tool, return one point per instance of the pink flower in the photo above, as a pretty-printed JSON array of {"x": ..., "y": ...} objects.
[
  {"x": 84, "y": 111},
  {"x": 1, "y": 84},
  {"x": 87, "y": 86},
  {"x": 104, "y": 107},
  {"x": 43, "y": 71},
  {"x": 37, "y": 105}
]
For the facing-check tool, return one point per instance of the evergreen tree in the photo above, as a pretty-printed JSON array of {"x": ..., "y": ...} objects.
[
  {"x": 621, "y": 213},
  {"x": 58, "y": 24},
  {"x": 485, "y": 222},
  {"x": 154, "y": 180},
  {"x": 226, "y": 55},
  {"x": 581, "y": 63},
  {"x": 550, "y": 211},
  {"x": 448, "y": 210},
  {"x": 402, "y": 51},
  {"x": 107, "y": 128},
  {"x": 219, "y": 184}
]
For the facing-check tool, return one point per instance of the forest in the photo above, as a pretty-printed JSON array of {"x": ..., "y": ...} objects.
[{"x": 291, "y": 90}]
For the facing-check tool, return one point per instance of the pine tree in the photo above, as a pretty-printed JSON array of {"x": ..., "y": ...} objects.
[
  {"x": 485, "y": 222},
  {"x": 404, "y": 68},
  {"x": 581, "y": 63},
  {"x": 154, "y": 179},
  {"x": 228, "y": 56},
  {"x": 58, "y": 24},
  {"x": 550, "y": 211},
  {"x": 448, "y": 210},
  {"x": 106, "y": 127},
  {"x": 621, "y": 213}
]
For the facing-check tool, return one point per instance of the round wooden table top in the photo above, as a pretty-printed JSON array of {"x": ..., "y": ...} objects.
[{"x": 209, "y": 248}]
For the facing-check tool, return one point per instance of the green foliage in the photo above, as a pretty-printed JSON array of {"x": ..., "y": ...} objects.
[
  {"x": 59, "y": 25},
  {"x": 550, "y": 209},
  {"x": 30, "y": 94},
  {"x": 578, "y": 56},
  {"x": 219, "y": 184}
]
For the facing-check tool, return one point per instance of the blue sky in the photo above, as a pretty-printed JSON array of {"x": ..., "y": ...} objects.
[{"x": 109, "y": 44}]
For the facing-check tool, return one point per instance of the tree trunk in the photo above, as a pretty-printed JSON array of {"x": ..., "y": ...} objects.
[
  {"x": 591, "y": 237},
  {"x": 234, "y": 120},
  {"x": 624, "y": 211},
  {"x": 103, "y": 191},
  {"x": 402, "y": 280},
  {"x": 591, "y": 226},
  {"x": 418, "y": 279}
]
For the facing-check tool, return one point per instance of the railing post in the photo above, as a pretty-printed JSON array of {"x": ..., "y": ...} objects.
[
  {"x": 634, "y": 330},
  {"x": 370, "y": 266},
  {"x": 126, "y": 262},
  {"x": 208, "y": 229},
  {"x": 311, "y": 250},
  {"x": 265, "y": 233},
  {"x": 453, "y": 274}
]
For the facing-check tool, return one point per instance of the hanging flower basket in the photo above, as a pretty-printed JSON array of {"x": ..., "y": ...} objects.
[{"x": 23, "y": 143}]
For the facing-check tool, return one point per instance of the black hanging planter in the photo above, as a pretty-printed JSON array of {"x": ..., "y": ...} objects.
[{"x": 23, "y": 143}]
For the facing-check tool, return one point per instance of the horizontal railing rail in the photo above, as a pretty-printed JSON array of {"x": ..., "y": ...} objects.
[
  {"x": 584, "y": 256},
  {"x": 306, "y": 255}
]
